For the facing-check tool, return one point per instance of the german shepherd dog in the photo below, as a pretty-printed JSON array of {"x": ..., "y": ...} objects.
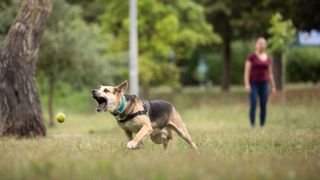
[{"x": 157, "y": 118}]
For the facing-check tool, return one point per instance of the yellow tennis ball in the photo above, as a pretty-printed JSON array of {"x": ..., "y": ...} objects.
[{"x": 60, "y": 117}]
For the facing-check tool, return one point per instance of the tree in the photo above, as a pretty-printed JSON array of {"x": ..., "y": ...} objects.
[
  {"x": 168, "y": 32},
  {"x": 20, "y": 110},
  {"x": 304, "y": 14},
  {"x": 71, "y": 52},
  {"x": 93, "y": 9},
  {"x": 249, "y": 19},
  {"x": 234, "y": 20},
  {"x": 282, "y": 34}
]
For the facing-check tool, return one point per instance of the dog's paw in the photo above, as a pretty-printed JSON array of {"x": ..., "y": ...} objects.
[{"x": 132, "y": 145}]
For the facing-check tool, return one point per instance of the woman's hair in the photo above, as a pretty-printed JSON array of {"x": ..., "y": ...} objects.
[{"x": 261, "y": 37}]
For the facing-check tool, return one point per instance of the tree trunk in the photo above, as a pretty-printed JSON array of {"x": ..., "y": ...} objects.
[
  {"x": 50, "y": 102},
  {"x": 20, "y": 110},
  {"x": 226, "y": 62},
  {"x": 145, "y": 91},
  {"x": 278, "y": 70}
]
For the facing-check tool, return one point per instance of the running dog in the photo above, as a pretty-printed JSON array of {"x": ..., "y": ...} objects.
[{"x": 157, "y": 118}]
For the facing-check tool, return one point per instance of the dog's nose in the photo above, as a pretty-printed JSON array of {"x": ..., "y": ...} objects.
[{"x": 93, "y": 91}]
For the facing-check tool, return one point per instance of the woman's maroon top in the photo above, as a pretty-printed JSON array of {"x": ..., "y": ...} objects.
[{"x": 259, "y": 69}]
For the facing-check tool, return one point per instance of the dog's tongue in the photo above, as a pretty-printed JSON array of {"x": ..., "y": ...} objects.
[{"x": 101, "y": 106}]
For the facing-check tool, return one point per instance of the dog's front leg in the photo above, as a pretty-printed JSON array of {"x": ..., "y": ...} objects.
[{"x": 144, "y": 131}]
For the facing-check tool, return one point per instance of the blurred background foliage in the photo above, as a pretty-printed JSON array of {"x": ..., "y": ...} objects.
[
  {"x": 303, "y": 65},
  {"x": 181, "y": 42},
  {"x": 169, "y": 32},
  {"x": 8, "y": 11}
]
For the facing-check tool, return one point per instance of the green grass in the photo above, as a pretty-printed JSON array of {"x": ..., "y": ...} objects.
[{"x": 91, "y": 146}]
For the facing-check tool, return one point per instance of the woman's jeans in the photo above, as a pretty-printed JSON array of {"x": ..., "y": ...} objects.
[{"x": 258, "y": 89}]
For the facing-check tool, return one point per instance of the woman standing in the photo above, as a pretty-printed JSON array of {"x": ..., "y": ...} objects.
[{"x": 257, "y": 74}]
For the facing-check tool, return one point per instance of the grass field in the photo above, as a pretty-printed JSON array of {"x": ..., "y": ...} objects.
[{"x": 91, "y": 146}]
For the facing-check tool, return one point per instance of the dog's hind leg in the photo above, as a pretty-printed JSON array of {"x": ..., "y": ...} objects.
[
  {"x": 166, "y": 140},
  {"x": 183, "y": 132},
  {"x": 179, "y": 127}
]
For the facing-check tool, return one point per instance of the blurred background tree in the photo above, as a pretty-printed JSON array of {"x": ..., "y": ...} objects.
[
  {"x": 247, "y": 20},
  {"x": 237, "y": 21},
  {"x": 8, "y": 10},
  {"x": 282, "y": 35},
  {"x": 92, "y": 9},
  {"x": 71, "y": 53},
  {"x": 169, "y": 32}
]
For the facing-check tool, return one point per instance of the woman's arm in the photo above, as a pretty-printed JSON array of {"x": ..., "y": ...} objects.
[
  {"x": 271, "y": 77},
  {"x": 247, "y": 68}
]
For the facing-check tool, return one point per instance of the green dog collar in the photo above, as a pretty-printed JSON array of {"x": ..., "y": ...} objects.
[{"x": 122, "y": 104}]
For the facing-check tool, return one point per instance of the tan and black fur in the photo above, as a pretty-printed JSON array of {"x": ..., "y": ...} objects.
[{"x": 161, "y": 120}]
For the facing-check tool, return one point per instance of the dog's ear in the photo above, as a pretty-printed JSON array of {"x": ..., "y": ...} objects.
[{"x": 122, "y": 88}]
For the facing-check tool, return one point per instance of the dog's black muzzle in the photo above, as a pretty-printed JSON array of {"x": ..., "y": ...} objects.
[{"x": 93, "y": 93}]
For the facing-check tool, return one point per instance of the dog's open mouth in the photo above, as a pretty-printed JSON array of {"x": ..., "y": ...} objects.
[{"x": 102, "y": 104}]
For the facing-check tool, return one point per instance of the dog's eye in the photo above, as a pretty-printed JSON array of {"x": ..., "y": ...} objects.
[{"x": 106, "y": 90}]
